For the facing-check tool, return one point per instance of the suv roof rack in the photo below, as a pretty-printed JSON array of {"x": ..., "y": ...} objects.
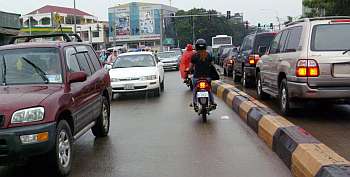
[
  {"x": 317, "y": 18},
  {"x": 66, "y": 37}
]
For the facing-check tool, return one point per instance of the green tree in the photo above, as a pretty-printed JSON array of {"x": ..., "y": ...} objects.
[
  {"x": 206, "y": 27},
  {"x": 330, "y": 7}
]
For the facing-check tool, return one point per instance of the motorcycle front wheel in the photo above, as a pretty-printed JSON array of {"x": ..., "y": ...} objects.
[{"x": 204, "y": 115}]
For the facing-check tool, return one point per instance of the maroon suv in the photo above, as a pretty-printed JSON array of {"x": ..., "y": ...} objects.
[{"x": 51, "y": 93}]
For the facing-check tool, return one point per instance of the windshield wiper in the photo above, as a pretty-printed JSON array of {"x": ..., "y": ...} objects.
[
  {"x": 346, "y": 51},
  {"x": 4, "y": 71},
  {"x": 38, "y": 70}
]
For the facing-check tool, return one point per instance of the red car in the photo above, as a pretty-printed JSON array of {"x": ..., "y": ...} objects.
[{"x": 51, "y": 94}]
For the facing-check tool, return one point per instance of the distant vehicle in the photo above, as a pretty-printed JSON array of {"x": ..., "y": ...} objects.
[
  {"x": 137, "y": 72},
  {"x": 217, "y": 42},
  {"x": 222, "y": 53},
  {"x": 309, "y": 60},
  {"x": 229, "y": 61},
  {"x": 170, "y": 60},
  {"x": 51, "y": 94},
  {"x": 253, "y": 47}
]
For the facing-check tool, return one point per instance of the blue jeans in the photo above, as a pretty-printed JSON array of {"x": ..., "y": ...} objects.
[{"x": 194, "y": 81}]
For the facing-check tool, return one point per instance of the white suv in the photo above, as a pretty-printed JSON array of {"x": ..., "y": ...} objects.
[{"x": 308, "y": 60}]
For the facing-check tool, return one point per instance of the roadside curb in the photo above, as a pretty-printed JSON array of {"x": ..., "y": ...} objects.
[{"x": 303, "y": 154}]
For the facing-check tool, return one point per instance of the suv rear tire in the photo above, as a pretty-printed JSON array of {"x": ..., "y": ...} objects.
[
  {"x": 101, "y": 128},
  {"x": 62, "y": 153},
  {"x": 283, "y": 98},
  {"x": 236, "y": 77},
  {"x": 259, "y": 91}
]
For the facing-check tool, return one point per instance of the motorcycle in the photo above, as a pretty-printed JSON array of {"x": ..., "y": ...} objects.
[{"x": 203, "y": 89}]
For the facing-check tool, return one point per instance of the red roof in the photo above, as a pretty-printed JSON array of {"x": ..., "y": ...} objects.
[{"x": 63, "y": 10}]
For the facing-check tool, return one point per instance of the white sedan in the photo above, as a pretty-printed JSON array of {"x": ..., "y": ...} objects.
[{"x": 137, "y": 72}]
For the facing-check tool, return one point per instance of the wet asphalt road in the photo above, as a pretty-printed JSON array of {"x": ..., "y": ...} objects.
[
  {"x": 163, "y": 137},
  {"x": 329, "y": 123}
]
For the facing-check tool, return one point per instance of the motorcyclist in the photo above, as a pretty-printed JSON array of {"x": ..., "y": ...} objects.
[
  {"x": 200, "y": 65},
  {"x": 185, "y": 61}
]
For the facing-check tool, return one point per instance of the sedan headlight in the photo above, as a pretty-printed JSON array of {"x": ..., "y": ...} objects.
[
  {"x": 115, "y": 80},
  {"x": 151, "y": 77},
  {"x": 28, "y": 115}
]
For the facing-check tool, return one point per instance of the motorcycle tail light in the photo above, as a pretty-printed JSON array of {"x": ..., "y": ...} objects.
[{"x": 202, "y": 85}]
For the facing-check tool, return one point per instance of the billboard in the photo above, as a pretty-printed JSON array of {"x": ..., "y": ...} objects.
[
  {"x": 147, "y": 21},
  {"x": 122, "y": 22}
]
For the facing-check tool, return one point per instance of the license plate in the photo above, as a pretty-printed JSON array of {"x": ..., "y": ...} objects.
[
  {"x": 202, "y": 94},
  {"x": 341, "y": 70},
  {"x": 129, "y": 87}
]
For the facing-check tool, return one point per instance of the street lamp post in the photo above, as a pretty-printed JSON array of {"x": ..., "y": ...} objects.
[
  {"x": 75, "y": 20},
  {"x": 277, "y": 17}
]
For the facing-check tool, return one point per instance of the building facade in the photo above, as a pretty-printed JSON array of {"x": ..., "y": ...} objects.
[
  {"x": 9, "y": 26},
  {"x": 138, "y": 24},
  {"x": 51, "y": 19}
]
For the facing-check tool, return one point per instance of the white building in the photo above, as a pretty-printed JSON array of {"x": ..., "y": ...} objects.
[{"x": 48, "y": 19}]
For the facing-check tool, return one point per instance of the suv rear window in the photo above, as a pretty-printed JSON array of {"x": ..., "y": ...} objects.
[
  {"x": 30, "y": 66},
  {"x": 331, "y": 37},
  {"x": 263, "y": 40}
]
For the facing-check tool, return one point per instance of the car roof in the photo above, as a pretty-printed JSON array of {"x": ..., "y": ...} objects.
[
  {"x": 40, "y": 45},
  {"x": 136, "y": 53}
]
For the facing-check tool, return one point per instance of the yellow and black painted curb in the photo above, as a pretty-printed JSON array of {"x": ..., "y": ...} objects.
[{"x": 303, "y": 154}]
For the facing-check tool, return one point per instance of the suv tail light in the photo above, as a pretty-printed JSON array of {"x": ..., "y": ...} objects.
[
  {"x": 307, "y": 68},
  {"x": 253, "y": 59},
  {"x": 341, "y": 21}
]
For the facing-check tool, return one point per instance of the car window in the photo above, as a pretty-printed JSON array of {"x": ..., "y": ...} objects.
[
  {"x": 129, "y": 61},
  {"x": 281, "y": 45},
  {"x": 167, "y": 54},
  {"x": 31, "y": 66},
  {"x": 83, "y": 63},
  {"x": 88, "y": 59},
  {"x": 294, "y": 39},
  {"x": 71, "y": 60},
  {"x": 248, "y": 43},
  {"x": 263, "y": 40},
  {"x": 94, "y": 59},
  {"x": 331, "y": 37},
  {"x": 275, "y": 43}
]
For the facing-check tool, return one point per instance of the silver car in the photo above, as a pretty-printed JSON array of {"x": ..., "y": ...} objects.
[
  {"x": 170, "y": 60},
  {"x": 308, "y": 60}
]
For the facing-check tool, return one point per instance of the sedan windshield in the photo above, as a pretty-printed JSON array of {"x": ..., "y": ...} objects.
[
  {"x": 331, "y": 37},
  {"x": 166, "y": 54},
  {"x": 30, "y": 66},
  {"x": 134, "y": 61}
]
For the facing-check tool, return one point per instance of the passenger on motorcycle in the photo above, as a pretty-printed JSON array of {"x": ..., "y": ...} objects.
[
  {"x": 200, "y": 65},
  {"x": 185, "y": 61}
]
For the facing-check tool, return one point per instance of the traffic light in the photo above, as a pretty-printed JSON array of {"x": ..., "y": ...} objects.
[
  {"x": 246, "y": 24},
  {"x": 271, "y": 25},
  {"x": 228, "y": 15},
  {"x": 172, "y": 17},
  {"x": 259, "y": 25}
]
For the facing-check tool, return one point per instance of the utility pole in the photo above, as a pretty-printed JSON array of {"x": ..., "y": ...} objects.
[
  {"x": 161, "y": 30},
  {"x": 30, "y": 25},
  {"x": 75, "y": 20},
  {"x": 193, "y": 32}
]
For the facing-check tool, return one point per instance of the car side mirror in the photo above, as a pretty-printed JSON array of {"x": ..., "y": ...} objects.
[
  {"x": 80, "y": 76},
  {"x": 262, "y": 50},
  {"x": 108, "y": 67}
]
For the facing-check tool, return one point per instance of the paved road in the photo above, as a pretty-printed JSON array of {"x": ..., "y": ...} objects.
[
  {"x": 329, "y": 123},
  {"x": 153, "y": 137}
]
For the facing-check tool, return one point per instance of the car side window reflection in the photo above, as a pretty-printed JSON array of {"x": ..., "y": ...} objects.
[
  {"x": 71, "y": 60},
  {"x": 275, "y": 43}
]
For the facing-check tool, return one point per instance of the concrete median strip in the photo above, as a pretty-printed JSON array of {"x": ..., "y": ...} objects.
[{"x": 299, "y": 150}]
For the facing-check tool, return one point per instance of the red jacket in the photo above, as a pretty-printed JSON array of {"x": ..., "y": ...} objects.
[{"x": 186, "y": 60}]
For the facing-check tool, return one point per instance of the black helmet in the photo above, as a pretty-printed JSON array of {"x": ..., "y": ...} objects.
[{"x": 201, "y": 44}]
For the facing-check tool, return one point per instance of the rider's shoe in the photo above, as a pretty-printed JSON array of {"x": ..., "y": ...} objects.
[
  {"x": 195, "y": 107},
  {"x": 213, "y": 106}
]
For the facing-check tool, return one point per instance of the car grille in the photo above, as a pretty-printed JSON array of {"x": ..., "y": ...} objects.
[
  {"x": 130, "y": 79},
  {"x": 140, "y": 87},
  {"x": 3, "y": 148}
]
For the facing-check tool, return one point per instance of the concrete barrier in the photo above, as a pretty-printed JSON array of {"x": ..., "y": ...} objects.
[{"x": 298, "y": 149}]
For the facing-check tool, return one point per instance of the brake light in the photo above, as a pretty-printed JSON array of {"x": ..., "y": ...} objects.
[
  {"x": 307, "y": 68},
  {"x": 231, "y": 61},
  {"x": 202, "y": 85},
  {"x": 341, "y": 21},
  {"x": 253, "y": 59}
]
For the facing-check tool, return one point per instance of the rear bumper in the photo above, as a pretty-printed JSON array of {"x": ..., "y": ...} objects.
[
  {"x": 12, "y": 150},
  {"x": 302, "y": 90}
]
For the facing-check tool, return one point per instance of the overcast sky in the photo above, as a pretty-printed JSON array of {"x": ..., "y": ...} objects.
[{"x": 264, "y": 11}]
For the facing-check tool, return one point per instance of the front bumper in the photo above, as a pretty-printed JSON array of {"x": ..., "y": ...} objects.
[
  {"x": 120, "y": 87},
  {"x": 303, "y": 91},
  {"x": 12, "y": 150}
]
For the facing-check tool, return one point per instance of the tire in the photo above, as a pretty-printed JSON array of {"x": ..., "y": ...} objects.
[
  {"x": 259, "y": 91},
  {"x": 237, "y": 78},
  {"x": 245, "y": 80},
  {"x": 284, "y": 102},
  {"x": 156, "y": 92},
  {"x": 101, "y": 128},
  {"x": 162, "y": 86},
  {"x": 62, "y": 162},
  {"x": 204, "y": 115}
]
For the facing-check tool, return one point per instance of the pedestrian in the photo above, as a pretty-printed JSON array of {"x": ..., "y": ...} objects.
[
  {"x": 113, "y": 57},
  {"x": 103, "y": 56}
]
